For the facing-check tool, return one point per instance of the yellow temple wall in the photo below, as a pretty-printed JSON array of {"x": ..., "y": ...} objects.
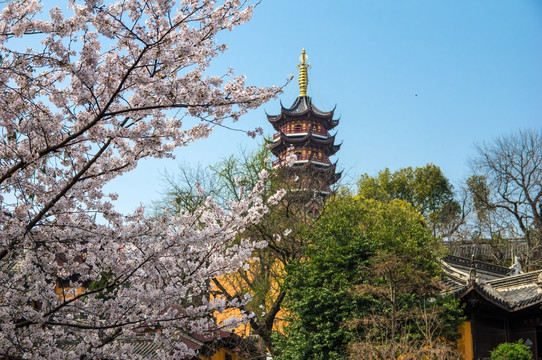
[
  {"x": 221, "y": 355},
  {"x": 244, "y": 329},
  {"x": 67, "y": 293},
  {"x": 464, "y": 344}
]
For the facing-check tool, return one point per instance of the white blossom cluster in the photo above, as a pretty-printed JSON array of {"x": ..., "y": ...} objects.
[{"x": 100, "y": 86}]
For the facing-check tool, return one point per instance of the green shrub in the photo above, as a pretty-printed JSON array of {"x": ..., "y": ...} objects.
[{"x": 511, "y": 351}]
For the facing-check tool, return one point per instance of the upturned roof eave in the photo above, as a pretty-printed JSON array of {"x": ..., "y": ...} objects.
[
  {"x": 311, "y": 137},
  {"x": 475, "y": 288},
  {"x": 312, "y": 163},
  {"x": 306, "y": 102},
  {"x": 328, "y": 150},
  {"x": 301, "y": 107},
  {"x": 287, "y": 138},
  {"x": 499, "y": 301}
]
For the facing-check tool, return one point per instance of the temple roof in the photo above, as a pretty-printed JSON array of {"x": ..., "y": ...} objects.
[
  {"x": 302, "y": 106},
  {"x": 456, "y": 268},
  {"x": 496, "y": 284},
  {"x": 304, "y": 103},
  {"x": 204, "y": 344}
]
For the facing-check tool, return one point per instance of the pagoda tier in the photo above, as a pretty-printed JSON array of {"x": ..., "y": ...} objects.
[
  {"x": 303, "y": 108},
  {"x": 309, "y": 141},
  {"x": 303, "y": 133}
]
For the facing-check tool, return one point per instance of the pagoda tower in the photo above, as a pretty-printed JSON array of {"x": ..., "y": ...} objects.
[{"x": 303, "y": 138}]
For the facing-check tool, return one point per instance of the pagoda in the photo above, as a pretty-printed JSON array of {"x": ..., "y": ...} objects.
[{"x": 303, "y": 139}]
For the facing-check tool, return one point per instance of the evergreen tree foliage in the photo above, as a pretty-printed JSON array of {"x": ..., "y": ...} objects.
[
  {"x": 426, "y": 188},
  {"x": 369, "y": 281},
  {"x": 512, "y": 351}
]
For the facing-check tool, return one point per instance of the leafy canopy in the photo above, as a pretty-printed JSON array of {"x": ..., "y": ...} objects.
[
  {"x": 512, "y": 351},
  {"x": 347, "y": 249},
  {"x": 426, "y": 188}
]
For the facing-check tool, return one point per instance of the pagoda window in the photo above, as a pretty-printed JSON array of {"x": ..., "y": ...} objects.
[{"x": 298, "y": 128}]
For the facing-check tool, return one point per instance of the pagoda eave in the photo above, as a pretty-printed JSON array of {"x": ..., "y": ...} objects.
[
  {"x": 309, "y": 111},
  {"x": 301, "y": 108},
  {"x": 303, "y": 103},
  {"x": 310, "y": 164},
  {"x": 279, "y": 121},
  {"x": 280, "y": 146},
  {"x": 284, "y": 114},
  {"x": 304, "y": 137}
]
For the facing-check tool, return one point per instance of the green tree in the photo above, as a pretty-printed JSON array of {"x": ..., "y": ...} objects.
[
  {"x": 512, "y": 351},
  {"x": 401, "y": 317},
  {"x": 367, "y": 261},
  {"x": 424, "y": 187}
]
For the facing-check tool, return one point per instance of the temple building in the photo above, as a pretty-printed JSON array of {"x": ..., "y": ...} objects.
[
  {"x": 501, "y": 304},
  {"x": 303, "y": 136}
]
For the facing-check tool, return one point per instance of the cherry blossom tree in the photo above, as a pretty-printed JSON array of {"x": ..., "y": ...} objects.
[{"x": 105, "y": 85}]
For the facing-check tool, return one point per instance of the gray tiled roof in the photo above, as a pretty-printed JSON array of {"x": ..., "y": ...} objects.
[
  {"x": 145, "y": 348},
  {"x": 301, "y": 105},
  {"x": 304, "y": 103},
  {"x": 510, "y": 292}
]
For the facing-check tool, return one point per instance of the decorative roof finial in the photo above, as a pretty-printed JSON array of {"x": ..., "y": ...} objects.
[
  {"x": 516, "y": 269},
  {"x": 303, "y": 77},
  {"x": 472, "y": 273}
]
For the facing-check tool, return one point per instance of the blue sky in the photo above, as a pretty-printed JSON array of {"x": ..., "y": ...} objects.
[{"x": 415, "y": 82}]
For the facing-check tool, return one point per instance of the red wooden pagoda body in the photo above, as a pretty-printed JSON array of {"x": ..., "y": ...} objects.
[{"x": 303, "y": 136}]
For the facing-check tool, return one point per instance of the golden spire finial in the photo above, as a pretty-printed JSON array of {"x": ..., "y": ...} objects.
[{"x": 303, "y": 77}]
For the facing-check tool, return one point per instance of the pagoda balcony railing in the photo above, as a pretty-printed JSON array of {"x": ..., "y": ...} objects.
[
  {"x": 303, "y": 158},
  {"x": 301, "y": 131}
]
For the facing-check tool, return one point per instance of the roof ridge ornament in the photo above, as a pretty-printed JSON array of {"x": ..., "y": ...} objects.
[
  {"x": 303, "y": 77},
  {"x": 472, "y": 272},
  {"x": 516, "y": 269}
]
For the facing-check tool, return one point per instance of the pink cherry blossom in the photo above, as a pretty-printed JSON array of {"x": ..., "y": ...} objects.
[{"x": 105, "y": 85}]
